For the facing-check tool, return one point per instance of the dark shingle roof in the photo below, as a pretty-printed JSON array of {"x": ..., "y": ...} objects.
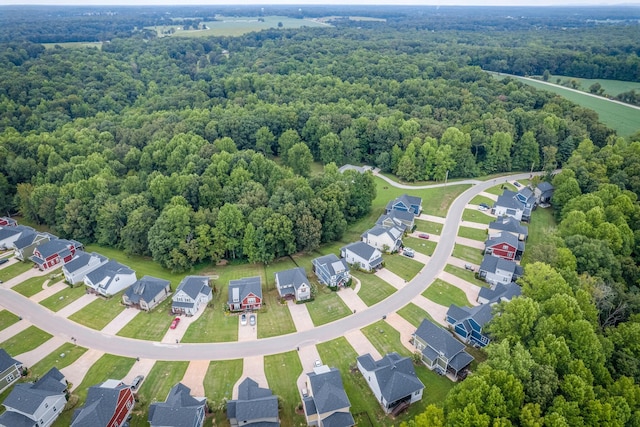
[
  {"x": 503, "y": 237},
  {"x": 194, "y": 286},
  {"x": 339, "y": 419},
  {"x": 509, "y": 224},
  {"x": 15, "y": 419},
  {"x": 246, "y": 286},
  {"x": 146, "y": 289},
  {"x": 81, "y": 260},
  {"x": 394, "y": 374},
  {"x": 491, "y": 264},
  {"x": 53, "y": 247},
  {"x": 332, "y": 263},
  {"x": 253, "y": 403},
  {"x": 328, "y": 391},
  {"x": 179, "y": 409},
  {"x": 291, "y": 279},
  {"x": 7, "y": 361},
  {"x": 27, "y": 397},
  {"x": 110, "y": 269},
  {"x": 545, "y": 186},
  {"x": 27, "y": 238},
  {"x": 361, "y": 249},
  {"x": 7, "y": 232},
  {"x": 99, "y": 407},
  {"x": 438, "y": 338},
  {"x": 508, "y": 200},
  {"x": 507, "y": 291}
]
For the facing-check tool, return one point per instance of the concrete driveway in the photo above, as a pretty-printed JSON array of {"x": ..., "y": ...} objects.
[
  {"x": 491, "y": 196},
  {"x": 352, "y": 300},
  {"x": 462, "y": 263},
  {"x": 175, "y": 335},
  {"x": 476, "y": 225},
  {"x": 47, "y": 291},
  {"x": 432, "y": 218},
  {"x": 470, "y": 242},
  {"x": 77, "y": 305},
  {"x": 391, "y": 278},
  {"x": 141, "y": 367},
  {"x": 436, "y": 311},
  {"x": 32, "y": 272},
  {"x": 405, "y": 328},
  {"x": 32, "y": 357},
  {"x": 361, "y": 344},
  {"x": 300, "y": 315},
  {"x": 247, "y": 332},
  {"x": 252, "y": 367},
  {"x": 75, "y": 372},
  {"x": 308, "y": 355},
  {"x": 194, "y": 377},
  {"x": 14, "y": 329},
  {"x": 120, "y": 321}
]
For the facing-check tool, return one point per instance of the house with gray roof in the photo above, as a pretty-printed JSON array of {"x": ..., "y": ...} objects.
[
  {"x": 468, "y": 322},
  {"x": 499, "y": 292},
  {"x": 293, "y": 284},
  {"x": 9, "y": 370},
  {"x": 496, "y": 270},
  {"x": 107, "y": 404},
  {"x": 180, "y": 409},
  {"x": 255, "y": 406},
  {"x": 110, "y": 278},
  {"x": 55, "y": 252},
  {"x": 331, "y": 270},
  {"x": 392, "y": 380},
  {"x": 192, "y": 293},
  {"x": 504, "y": 245},
  {"x": 362, "y": 255},
  {"x": 406, "y": 203},
  {"x": 510, "y": 225},
  {"x": 245, "y": 294},
  {"x": 82, "y": 264},
  {"x": 7, "y": 222},
  {"x": 327, "y": 404},
  {"x": 23, "y": 247},
  {"x": 8, "y": 235},
  {"x": 385, "y": 239},
  {"x": 402, "y": 219},
  {"x": 543, "y": 192},
  {"x": 36, "y": 404},
  {"x": 440, "y": 351},
  {"x": 508, "y": 205},
  {"x": 147, "y": 293}
]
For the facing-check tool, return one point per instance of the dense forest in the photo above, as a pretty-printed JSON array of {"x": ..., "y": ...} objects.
[{"x": 200, "y": 149}]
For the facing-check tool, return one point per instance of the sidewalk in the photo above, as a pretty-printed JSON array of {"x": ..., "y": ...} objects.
[
  {"x": 470, "y": 290},
  {"x": 300, "y": 315},
  {"x": 194, "y": 377},
  {"x": 47, "y": 291},
  {"x": 32, "y": 357},
  {"x": 75, "y": 372},
  {"x": 252, "y": 367},
  {"x": 361, "y": 344}
]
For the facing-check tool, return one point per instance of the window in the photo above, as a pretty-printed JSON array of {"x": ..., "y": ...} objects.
[
  {"x": 10, "y": 378},
  {"x": 251, "y": 300},
  {"x": 129, "y": 404},
  {"x": 46, "y": 405}
]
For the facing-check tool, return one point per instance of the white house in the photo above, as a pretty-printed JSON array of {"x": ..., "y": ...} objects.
[
  {"x": 8, "y": 235},
  {"x": 385, "y": 239},
  {"x": 362, "y": 255},
  {"x": 82, "y": 264},
  {"x": 110, "y": 278},
  {"x": 293, "y": 283},
  {"x": 496, "y": 270},
  {"x": 192, "y": 292},
  {"x": 9, "y": 370},
  {"x": 508, "y": 205}
]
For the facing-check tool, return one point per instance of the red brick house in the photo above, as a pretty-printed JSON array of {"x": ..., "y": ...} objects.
[
  {"x": 54, "y": 252},
  {"x": 107, "y": 405},
  {"x": 504, "y": 245},
  {"x": 245, "y": 294}
]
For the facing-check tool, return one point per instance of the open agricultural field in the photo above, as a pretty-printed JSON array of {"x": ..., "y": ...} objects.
[{"x": 610, "y": 87}]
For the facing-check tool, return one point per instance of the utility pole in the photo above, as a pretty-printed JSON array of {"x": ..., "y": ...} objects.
[
  {"x": 445, "y": 178},
  {"x": 531, "y": 173}
]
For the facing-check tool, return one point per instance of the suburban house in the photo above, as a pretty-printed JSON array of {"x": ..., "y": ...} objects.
[
  {"x": 362, "y": 255},
  {"x": 331, "y": 270},
  {"x": 110, "y": 278},
  {"x": 327, "y": 404},
  {"x": 543, "y": 192},
  {"x": 293, "y": 284},
  {"x": 504, "y": 245},
  {"x": 7, "y": 222},
  {"x": 385, "y": 239},
  {"x": 9, "y": 370},
  {"x": 508, "y": 205},
  {"x": 191, "y": 293},
  {"x": 392, "y": 380},
  {"x": 82, "y": 264},
  {"x": 179, "y": 409},
  {"x": 401, "y": 219},
  {"x": 496, "y": 270},
  {"x": 107, "y": 405},
  {"x": 36, "y": 404},
  {"x": 147, "y": 293},
  {"x": 526, "y": 196},
  {"x": 245, "y": 294},
  {"x": 440, "y": 351},
  {"x": 509, "y": 225},
  {"x": 499, "y": 292},
  {"x": 8, "y": 235},
  {"x": 255, "y": 406},
  {"x": 54, "y": 252},
  {"x": 405, "y": 203},
  {"x": 23, "y": 247},
  {"x": 467, "y": 323}
]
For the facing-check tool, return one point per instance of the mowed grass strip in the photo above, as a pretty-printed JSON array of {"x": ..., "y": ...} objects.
[
  {"x": 213, "y": 325},
  {"x": 482, "y": 199},
  {"x": 465, "y": 274},
  {"x": 476, "y": 216},
  {"x": 98, "y": 314},
  {"x": 472, "y": 233},
  {"x": 446, "y": 294},
  {"x": 372, "y": 288},
  {"x": 440, "y": 198},
  {"x": 385, "y": 338},
  {"x": 15, "y": 270},
  {"x": 428, "y": 226},
  {"x": 403, "y": 266},
  {"x": 220, "y": 378},
  {"x": 424, "y": 246},
  {"x": 414, "y": 314},
  {"x": 275, "y": 318},
  {"x": 56, "y": 359},
  {"x": 152, "y": 325},
  {"x": 161, "y": 378},
  {"x": 26, "y": 340},
  {"x": 542, "y": 224},
  {"x": 467, "y": 253},
  {"x": 499, "y": 189},
  {"x": 282, "y": 371},
  {"x": 327, "y": 307},
  {"x": 31, "y": 286},
  {"x": 63, "y": 298},
  {"x": 7, "y": 319}
]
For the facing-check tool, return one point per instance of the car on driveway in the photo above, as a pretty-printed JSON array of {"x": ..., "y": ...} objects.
[
  {"x": 175, "y": 322},
  {"x": 423, "y": 235},
  {"x": 408, "y": 252},
  {"x": 517, "y": 184},
  {"x": 243, "y": 319},
  {"x": 317, "y": 363},
  {"x": 252, "y": 320},
  {"x": 484, "y": 205},
  {"x": 3, "y": 260},
  {"x": 469, "y": 267},
  {"x": 136, "y": 382}
]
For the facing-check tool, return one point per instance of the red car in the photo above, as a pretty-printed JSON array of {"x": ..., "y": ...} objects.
[
  {"x": 423, "y": 236},
  {"x": 175, "y": 322}
]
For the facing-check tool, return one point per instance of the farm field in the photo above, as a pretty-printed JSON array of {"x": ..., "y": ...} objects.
[{"x": 611, "y": 87}]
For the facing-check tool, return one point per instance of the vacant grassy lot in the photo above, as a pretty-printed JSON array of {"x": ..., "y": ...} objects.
[
  {"x": 220, "y": 379},
  {"x": 464, "y": 274},
  {"x": 482, "y": 199},
  {"x": 151, "y": 325},
  {"x": 467, "y": 253},
  {"x": 25, "y": 341},
  {"x": 428, "y": 226},
  {"x": 423, "y": 246},
  {"x": 14, "y": 270},
  {"x": 68, "y": 45},
  {"x": 214, "y": 325},
  {"x": 99, "y": 313},
  {"x": 542, "y": 225},
  {"x": 373, "y": 289},
  {"x": 327, "y": 307},
  {"x": 611, "y": 87},
  {"x": 445, "y": 294},
  {"x": 71, "y": 353},
  {"x": 7, "y": 319},
  {"x": 435, "y": 201},
  {"x": 31, "y": 286},
  {"x": 499, "y": 189},
  {"x": 472, "y": 233},
  {"x": 403, "y": 266},
  {"x": 63, "y": 298},
  {"x": 282, "y": 371},
  {"x": 414, "y": 314},
  {"x": 474, "y": 215}
]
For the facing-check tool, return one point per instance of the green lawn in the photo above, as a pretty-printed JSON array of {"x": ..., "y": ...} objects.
[
  {"x": 63, "y": 298},
  {"x": 499, "y": 189},
  {"x": 385, "y": 338},
  {"x": 7, "y": 319},
  {"x": 474, "y": 215},
  {"x": 71, "y": 353},
  {"x": 282, "y": 371},
  {"x": 439, "y": 199},
  {"x": 94, "y": 45},
  {"x": 372, "y": 289},
  {"x": 220, "y": 379},
  {"x": 445, "y": 294},
  {"x": 26, "y": 340},
  {"x": 31, "y": 286},
  {"x": 482, "y": 199},
  {"x": 423, "y": 246},
  {"x": 611, "y": 87},
  {"x": 414, "y": 314},
  {"x": 275, "y": 317},
  {"x": 151, "y": 325},
  {"x": 542, "y": 225},
  {"x": 467, "y": 253},
  {"x": 14, "y": 270},
  {"x": 472, "y": 233},
  {"x": 327, "y": 307},
  {"x": 403, "y": 266},
  {"x": 428, "y": 226},
  {"x": 99, "y": 313},
  {"x": 464, "y": 274}
]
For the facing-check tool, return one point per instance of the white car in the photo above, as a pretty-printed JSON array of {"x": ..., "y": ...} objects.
[{"x": 243, "y": 319}]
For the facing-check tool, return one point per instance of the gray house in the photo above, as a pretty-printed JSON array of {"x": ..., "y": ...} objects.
[
  {"x": 392, "y": 380},
  {"x": 327, "y": 404},
  {"x": 29, "y": 240},
  {"x": 82, "y": 264},
  {"x": 180, "y": 409},
  {"x": 499, "y": 292},
  {"x": 362, "y": 255},
  {"x": 147, "y": 293},
  {"x": 331, "y": 270},
  {"x": 510, "y": 225},
  {"x": 406, "y": 203},
  {"x": 441, "y": 352},
  {"x": 543, "y": 192},
  {"x": 293, "y": 283},
  {"x": 191, "y": 293},
  {"x": 255, "y": 406},
  {"x": 9, "y": 370},
  {"x": 385, "y": 239},
  {"x": 110, "y": 278},
  {"x": 36, "y": 404},
  {"x": 402, "y": 219},
  {"x": 8, "y": 235},
  {"x": 508, "y": 205},
  {"x": 496, "y": 270}
]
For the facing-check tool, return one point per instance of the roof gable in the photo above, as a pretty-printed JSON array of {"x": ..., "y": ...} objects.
[
  {"x": 395, "y": 375},
  {"x": 363, "y": 250},
  {"x": 439, "y": 339},
  {"x": 146, "y": 289},
  {"x": 295, "y": 277},
  {"x": 246, "y": 286},
  {"x": 7, "y": 361},
  {"x": 194, "y": 286},
  {"x": 328, "y": 391}
]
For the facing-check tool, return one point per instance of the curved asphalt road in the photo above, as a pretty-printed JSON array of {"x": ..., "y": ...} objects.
[{"x": 64, "y": 328}]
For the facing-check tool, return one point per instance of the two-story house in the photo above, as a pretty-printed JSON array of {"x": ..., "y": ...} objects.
[
  {"x": 192, "y": 293},
  {"x": 9, "y": 370},
  {"x": 508, "y": 205},
  {"x": 179, "y": 409},
  {"x": 293, "y": 284},
  {"x": 404, "y": 220},
  {"x": 110, "y": 278},
  {"x": 54, "y": 252},
  {"x": 499, "y": 292},
  {"x": 362, "y": 255},
  {"x": 385, "y": 239},
  {"x": 496, "y": 270},
  {"x": 255, "y": 406},
  {"x": 509, "y": 225},
  {"x": 406, "y": 203},
  {"x": 331, "y": 270},
  {"x": 543, "y": 192},
  {"x": 245, "y": 294},
  {"x": 82, "y": 264},
  {"x": 107, "y": 405},
  {"x": 147, "y": 293},
  {"x": 327, "y": 404},
  {"x": 8, "y": 235},
  {"x": 504, "y": 245},
  {"x": 468, "y": 322}
]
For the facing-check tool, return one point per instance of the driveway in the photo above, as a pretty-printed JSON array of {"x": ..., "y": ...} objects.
[
  {"x": 175, "y": 335},
  {"x": 391, "y": 278},
  {"x": 14, "y": 329},
  {"x": 247, "y": 332},
  {"x": 491, "y": 196},
  {"x": 77, "y": 305},
  {"x": 120, "y": 321},
  {"x": 432, "y": 237},
  {"x": 75, "y": 372},
  {"x": 32, "y": 272},
  {"x": 47, "y": 291},
  {"x": 432, "y": 218},
  {"x": 461, "y": 263},
  {"x": 308, "y": 355},
  {"x": 300, "y": 315},
  {"x": 470, "y": 290},
  {"x": 194, "y": 377},
  {"x": 476, "y": 225},
  {"x": 252, "y": 367},
  {"x": 32, "y": 357},
  {"x": 405, "y": 328},
  {"x": 436, "y": 311},
  {"x": 352, "y": 300},
  {"x": 361, "y": 344},
  {"x": 141, "y": 367},
  {"x": 470, "y": 242}
]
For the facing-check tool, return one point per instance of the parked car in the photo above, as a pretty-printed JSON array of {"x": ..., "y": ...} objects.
[
  {"x": 305, "y": 392},
  {"x": 136, "y": 382},
  {"x": 252, "y": 320},
  {"x": 469, "y": 267},
  {"x": 243, "y": 319},
  {"x": 484, "y": 205},
  {"x": 317, "y": 363},
  {"x": 517, "y": 184},
  {"x": 3, "y": 260},
  {"x": 423, "y": 235},
  {"x": 408, "y": 252},
  {"x": 175, "y": 322}
]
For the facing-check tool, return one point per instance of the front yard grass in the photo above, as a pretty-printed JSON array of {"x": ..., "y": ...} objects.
[
  {"x": 15, "y": 270},
  {"x": 467, "y": 253},
  {"x": 372, "y": 288},
  {"x": 214, "y": 325},
  {"x": 63, "y": 298},
  {"x": 428, "y": 227},
  {"x": 424, "y": 246},
  {"x": 151, "y": 325},
  {"x": 26, "y": 340},
  {"x": 414, "y": 314},
  {"x": 327, "y": 307},
  {"x": 161, "y": 378},
  {"x": 482, "y": 199},
  {"x": 282, "y": 371},
  {"x": 445, "y": 294},
  {"x": 98, "y": 314},
  {"x": 220, "y": 378},
  {"x": 71, "y": 353},
  {"x": 403, "y": 266},
  {"x": 499, "y": 189},
  {"x": 464, "y": 274},
  {"x": 275, "y": 317},
  {"x": 472, "y": 233},
  {"x": 31, "y": 286},
  {"x": 385, "y": 338},
  {"x": 477, "y": 216},
  {"x": 7, "y": 319}
]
